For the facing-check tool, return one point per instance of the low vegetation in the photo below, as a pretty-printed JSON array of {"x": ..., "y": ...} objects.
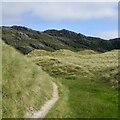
[
  {"x": 87, "y": 80},
  {"x": 25, "y": 87}
]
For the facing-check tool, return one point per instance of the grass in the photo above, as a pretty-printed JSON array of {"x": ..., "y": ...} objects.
[
  {"x": 87, "y": 81},
  {"x": 85, "y": 99},
  {"x": 25, "y": 86}
]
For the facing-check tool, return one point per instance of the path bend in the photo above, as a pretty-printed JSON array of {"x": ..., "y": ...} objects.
[{"x": 47, "y": 106}]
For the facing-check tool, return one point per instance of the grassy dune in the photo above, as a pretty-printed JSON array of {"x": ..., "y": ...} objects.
[
  {"x": 87, "y": 81},
  {"x": 25, "y": 86}
]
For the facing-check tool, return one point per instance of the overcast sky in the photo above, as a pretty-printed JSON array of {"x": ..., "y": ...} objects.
[{"x": 90, "y": 18}]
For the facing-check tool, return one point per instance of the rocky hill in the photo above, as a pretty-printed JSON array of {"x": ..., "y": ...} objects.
[{"x": 26, "y": 40}]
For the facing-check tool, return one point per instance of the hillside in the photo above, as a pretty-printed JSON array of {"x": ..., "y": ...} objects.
[
  {"x": 26, "y": 40},
  {"x": 87, "y": 80},
  {"x": 25, "y": 87}
]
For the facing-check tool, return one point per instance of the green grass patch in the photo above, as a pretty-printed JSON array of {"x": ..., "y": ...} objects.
[{"x": 86, "y": 98}]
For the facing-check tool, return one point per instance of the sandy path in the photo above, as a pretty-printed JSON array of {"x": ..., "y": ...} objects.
[{"x": 47, "y": 106}]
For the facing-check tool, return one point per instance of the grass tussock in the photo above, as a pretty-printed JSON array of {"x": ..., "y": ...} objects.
[{"x": 25, "y": 86}]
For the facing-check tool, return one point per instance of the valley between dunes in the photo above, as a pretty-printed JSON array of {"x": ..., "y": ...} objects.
[{"x": 87, "y": 83}]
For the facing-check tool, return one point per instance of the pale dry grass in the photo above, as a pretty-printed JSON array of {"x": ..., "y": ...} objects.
[
  {"x": 25, "y": 86},
  {"x": 89, "y": 62}
]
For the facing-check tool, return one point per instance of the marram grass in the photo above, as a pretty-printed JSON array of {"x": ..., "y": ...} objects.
[{"x": 25, "y": 86}]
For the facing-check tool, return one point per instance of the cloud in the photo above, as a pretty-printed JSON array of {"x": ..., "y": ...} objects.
[
  {"x": 15, "y": 12},
  {"x": 75, "y": 11},
  {"x": 59, "y": 11},
  {"x": 108, "y": 34}
]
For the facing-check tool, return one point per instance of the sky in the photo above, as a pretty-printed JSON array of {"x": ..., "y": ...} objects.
[{"x": 99, "y": 19}]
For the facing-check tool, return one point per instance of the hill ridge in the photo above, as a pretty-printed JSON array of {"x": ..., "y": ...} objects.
[{"x": 26, "y": 40}]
